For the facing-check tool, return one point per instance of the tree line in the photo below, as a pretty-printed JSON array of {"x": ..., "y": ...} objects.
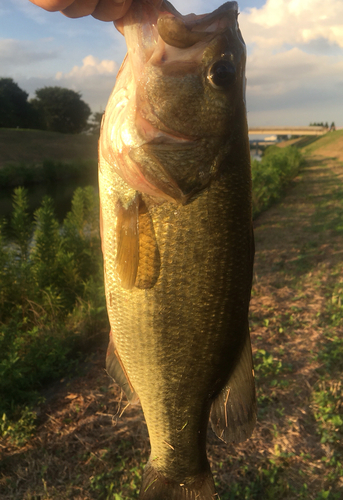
[
  {"x": 322, "y": 124},
  {"x": 55, "y": 109}
]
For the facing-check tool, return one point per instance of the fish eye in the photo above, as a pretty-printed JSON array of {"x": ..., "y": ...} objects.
[{"x": 221, "y": 74}]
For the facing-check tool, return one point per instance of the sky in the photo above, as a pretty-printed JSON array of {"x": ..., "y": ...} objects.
[{"x": 294, "y": 67}]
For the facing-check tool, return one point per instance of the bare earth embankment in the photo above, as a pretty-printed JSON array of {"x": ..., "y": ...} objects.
[{"x": 86, "y": 447}]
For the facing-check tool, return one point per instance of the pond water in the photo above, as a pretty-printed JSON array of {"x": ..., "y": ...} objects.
[{"x": 60, "y": 192}]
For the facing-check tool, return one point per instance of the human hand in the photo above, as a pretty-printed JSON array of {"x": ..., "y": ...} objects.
[{"x": 104, "y": 10}]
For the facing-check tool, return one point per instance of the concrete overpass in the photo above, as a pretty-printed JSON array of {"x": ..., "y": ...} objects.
[{"x": 288, "y": 130}]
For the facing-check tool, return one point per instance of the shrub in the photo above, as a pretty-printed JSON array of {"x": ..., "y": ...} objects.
[
  {"x": 48, "y": 171},
  {"x": 51, "y": 293},
  {"x": 271, "y": 175}
]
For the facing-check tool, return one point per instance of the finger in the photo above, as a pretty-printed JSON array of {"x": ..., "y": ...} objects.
[
  {"x": 111, "y": 10},
  {"x": 52, "y": 5},
  {"x": 80, "y": 8}
]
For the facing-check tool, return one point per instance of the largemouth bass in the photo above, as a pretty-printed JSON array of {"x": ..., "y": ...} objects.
[{"x": 177, "y": 238}]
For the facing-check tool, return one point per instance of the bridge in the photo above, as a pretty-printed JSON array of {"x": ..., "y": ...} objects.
[{"x": 288, "y": 130}]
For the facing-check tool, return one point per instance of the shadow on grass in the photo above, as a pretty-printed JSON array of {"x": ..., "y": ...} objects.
[
  {"x": 307, "y": 140},
  {"x": 298, "y": 232},
  {"x": 82, "y": 448}
]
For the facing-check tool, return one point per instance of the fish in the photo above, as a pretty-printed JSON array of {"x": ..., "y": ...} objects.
[{"x": 177, "y": 238}]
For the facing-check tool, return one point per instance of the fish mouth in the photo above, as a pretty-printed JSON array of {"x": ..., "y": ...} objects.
[
  {"x": 154, "y": 31},
  {"x": 185, "y": 31},
  {"x": 157, "y": 35},
  {"x": 175, "y": 29},
  {"x": 135, "y": 140}
]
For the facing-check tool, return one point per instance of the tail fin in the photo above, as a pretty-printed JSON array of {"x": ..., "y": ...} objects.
[{"x": 157, "y": 487}]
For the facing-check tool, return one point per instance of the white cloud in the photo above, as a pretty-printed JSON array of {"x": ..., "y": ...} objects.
[
  {"x": 295, "y": 63},
  {"x": 281, "y": 22},
  {"x": 91, "y": 67},
  {"x": 94, "y": 78},
  {"x": 290, "y": 69}
]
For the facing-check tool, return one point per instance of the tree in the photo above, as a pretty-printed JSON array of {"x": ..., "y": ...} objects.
[
  {"x": 15, "y": 111},
  {"x": 61, "y": 110},
  {"x": 95, "y": 123},
  {"x": 319, "y": 124}
]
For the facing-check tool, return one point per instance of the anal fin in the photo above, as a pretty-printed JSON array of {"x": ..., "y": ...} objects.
[
  {"x": 116, "y": 370},
  {"x": 233, "y": 412}
]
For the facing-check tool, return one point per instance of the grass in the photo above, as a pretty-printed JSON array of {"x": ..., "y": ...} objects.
[
  {"x": 19, "y": 146},
  {"x": 296, "y": 319},
  {"x": 79, "y": 444},
  {"x": 324, "y": 141}
]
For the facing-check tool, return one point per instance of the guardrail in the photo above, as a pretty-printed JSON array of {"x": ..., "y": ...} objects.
[{"x": 288, "y": 130}]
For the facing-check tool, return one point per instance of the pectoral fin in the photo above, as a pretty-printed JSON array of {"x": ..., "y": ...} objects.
[
  {"x": 233, "y": 412},
  {"x": 138, "y": 257},
  {"x": 127, "y": 243},
  {"x": 149, "y": 255},
  {"x": 116, "y": 370}
]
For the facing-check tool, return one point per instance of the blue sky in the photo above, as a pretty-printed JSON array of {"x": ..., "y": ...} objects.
[{"x": 294, "y": 68}]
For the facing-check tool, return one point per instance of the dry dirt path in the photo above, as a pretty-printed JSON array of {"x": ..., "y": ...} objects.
[{"x": 85, "y": 449}]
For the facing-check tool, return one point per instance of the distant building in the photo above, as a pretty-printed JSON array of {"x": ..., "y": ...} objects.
[{"x": 271, "y": 138}]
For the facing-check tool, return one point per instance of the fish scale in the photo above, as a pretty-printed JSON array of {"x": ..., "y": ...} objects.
[
  {"x": 177, "y": 242},
  {"x": 135, "y": 316}
]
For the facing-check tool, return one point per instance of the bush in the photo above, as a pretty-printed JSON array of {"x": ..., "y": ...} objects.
[
  {"x": 271, "y": 175},
  {"x": 24, "y": 174},
  {"x": 52, "y": 298}
]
